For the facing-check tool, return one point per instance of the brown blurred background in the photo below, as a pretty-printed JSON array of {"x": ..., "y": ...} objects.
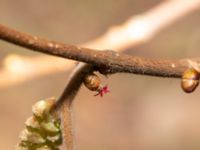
[{"x": 140, "y": 112}]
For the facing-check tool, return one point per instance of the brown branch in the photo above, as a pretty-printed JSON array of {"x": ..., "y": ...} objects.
[
  {"x": 64, "y": 103},
  {"x": 136, "y": 30},
  {"x": 110, "y": 61}
]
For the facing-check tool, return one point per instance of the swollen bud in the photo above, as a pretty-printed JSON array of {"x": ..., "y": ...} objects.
[
  {"x": 93, "y": 83},
  {"x": 190, "y": 80}
]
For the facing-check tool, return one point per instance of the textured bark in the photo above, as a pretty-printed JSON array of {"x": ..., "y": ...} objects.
[{"x": 106, "y": 61}]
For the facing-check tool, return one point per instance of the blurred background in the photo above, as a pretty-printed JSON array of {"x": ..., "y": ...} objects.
[{"x": 140, "y": 112}]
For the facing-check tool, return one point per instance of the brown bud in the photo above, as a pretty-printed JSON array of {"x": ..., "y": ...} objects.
[
  {"x": 190, "y": 80},
  {"x": 92, "y": 82}
]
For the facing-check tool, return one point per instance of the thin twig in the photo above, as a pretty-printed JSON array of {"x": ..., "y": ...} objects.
[
  {"x": 110, "y": 61},
  {"x": 64, "y": 103}
]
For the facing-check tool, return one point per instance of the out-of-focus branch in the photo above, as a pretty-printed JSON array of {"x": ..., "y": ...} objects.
[
  {"x": 141, "y": 28},
  {"x": 18, "y": 69},
  {"x": 136, "y": 30}
]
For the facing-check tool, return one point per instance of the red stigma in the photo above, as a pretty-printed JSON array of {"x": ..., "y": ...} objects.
[{"x": 103, "y": 91}]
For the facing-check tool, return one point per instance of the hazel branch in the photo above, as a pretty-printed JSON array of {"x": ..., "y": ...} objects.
[
  {"x": 136, "y": 30},
  {"x": 106, "y": 61},
  {"x": 64, "y": 103}
]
